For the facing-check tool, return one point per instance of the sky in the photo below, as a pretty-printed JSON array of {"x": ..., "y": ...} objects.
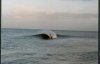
[{"x": 50, "y": 14}]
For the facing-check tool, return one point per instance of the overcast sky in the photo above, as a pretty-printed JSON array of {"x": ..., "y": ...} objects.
[{"x": 50, "y": 14}]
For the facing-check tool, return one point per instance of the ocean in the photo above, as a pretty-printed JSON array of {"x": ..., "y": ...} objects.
[{"x": 20, "y": 46}]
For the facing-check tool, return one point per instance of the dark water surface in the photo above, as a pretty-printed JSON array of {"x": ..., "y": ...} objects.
[{"x": 18, "y": 46}]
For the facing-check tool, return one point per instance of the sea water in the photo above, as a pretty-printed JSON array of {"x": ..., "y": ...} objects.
[{"x": 19, "y": 46}]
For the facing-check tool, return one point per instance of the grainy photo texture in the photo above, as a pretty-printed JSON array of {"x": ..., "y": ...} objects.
[{"x": 49, "y": 32}]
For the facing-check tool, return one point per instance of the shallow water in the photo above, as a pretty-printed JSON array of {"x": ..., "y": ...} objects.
[{"x": 18, "y": 46}]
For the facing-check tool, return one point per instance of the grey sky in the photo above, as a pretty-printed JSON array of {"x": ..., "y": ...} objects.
[{"x": 50, "y": 14}]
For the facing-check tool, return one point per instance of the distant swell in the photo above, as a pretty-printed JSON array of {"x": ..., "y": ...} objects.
[
  {"x": 65, "y": 36},
  {"x": 48, "y": 34},
  {"x": 72, "y": 36}
]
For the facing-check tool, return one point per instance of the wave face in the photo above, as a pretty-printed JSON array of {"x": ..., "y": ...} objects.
[
  {"x": 45, "y": 35},
  {"x": 25, "y": 46}
]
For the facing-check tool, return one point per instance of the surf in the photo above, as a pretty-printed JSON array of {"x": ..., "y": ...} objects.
[
  {"x": 51, "y": 34},
  {"x": 47, "y": 35}
]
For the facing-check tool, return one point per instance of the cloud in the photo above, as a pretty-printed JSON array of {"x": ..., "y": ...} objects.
[
  {"x": 76, "y": 0},
  {"x": 27, "y": 17},
  {"x": 22, "y": 12},
  {"x": 30, "y": 15},
  {"x": 57, "y": 15},
  {"x": 28, "y": 12}
]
